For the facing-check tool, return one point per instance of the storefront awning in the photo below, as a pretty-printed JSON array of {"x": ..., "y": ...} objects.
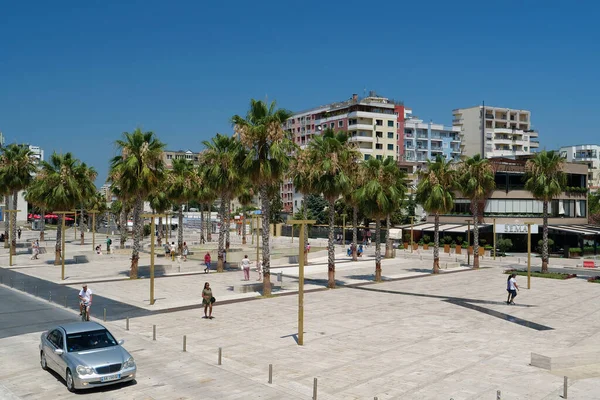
[{"x": 576, "y": 229}]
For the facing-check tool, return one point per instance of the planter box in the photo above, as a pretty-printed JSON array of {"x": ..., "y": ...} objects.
[
  {"x": 415, "y": 246},
  {"x": 458, "y": 249},
  {"x": 405, "y": 245},
  {"x": 471, "y": 250},
  {"x": 446, "y": 248},
  {"x": 574, "y": 255},
  {"x": 425, "y": 247},
  {"x": 481, "y": 252}
]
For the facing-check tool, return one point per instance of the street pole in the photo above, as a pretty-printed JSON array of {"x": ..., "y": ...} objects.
[
  {"x": 528, "y": 254},
  {"x": 152, "y": 238},
  {"x": 494, "y": 221},
  {"x": 301, "y": 277},
  {"x": 468, "y": 242},
  {"x": 257, "y": 238},
  {"x": 10, "y": 238},
  {"x": 343, "y": 229},
  {"x": 252, "y": 227},
  {"x": 412, "y": 221},
  {"x": 93, "y": 212}
]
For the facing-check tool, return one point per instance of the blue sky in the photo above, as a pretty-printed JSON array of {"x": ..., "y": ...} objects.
[{"x": 75, "y": 75}]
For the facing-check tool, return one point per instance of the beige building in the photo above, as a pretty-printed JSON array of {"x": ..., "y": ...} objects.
[
  {"x": 587, "y": 154},
  {"x": 170, "y": 155},
  {"x": 495, "y": 131}
]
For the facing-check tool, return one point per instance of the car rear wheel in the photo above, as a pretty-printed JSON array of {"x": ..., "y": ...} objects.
[
  {"x": 70, "y": 383},
  {"x": 43, "y": 362}
]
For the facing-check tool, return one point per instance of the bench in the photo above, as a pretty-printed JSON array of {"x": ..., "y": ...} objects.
[
  {"x": 589, "y": 264},
  {"x": 566, "y": 358},
  {"x": 80, "y": 259}
]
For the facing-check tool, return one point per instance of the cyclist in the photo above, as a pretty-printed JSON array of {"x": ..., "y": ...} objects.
[{"x": 85, "y": 299}]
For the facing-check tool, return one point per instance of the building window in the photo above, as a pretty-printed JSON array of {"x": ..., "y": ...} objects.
[
  {"x": 379, "y": 146},
  {"x": 392, "y": 157},
  {"x": 391, "y": 124},
  {"x": 367, "y": 156},
  {"x": 379, "y": 134},
  {"x": 332, "y": 125},
  {"x": 340, "y": 124},
  {"x": 379, "y": 157},
  {"x": 390, "y": 147},
  {"x": 390, "y": 135},
  {"x": 379, "y": 122}
]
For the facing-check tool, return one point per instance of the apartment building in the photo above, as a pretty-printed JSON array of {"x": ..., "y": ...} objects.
[
  {"x": 588, "y": 154},
  {"x": 170, "y": 155},
  {"x": 495, "y": 131},
  {"x": 426, "y": 140},
  {"x": 374, "y": 123}
]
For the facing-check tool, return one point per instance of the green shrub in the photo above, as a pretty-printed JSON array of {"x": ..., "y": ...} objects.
[
  {"x": 447, "y": 239},
  {"x": 541, "y": 242},
  {"x": 431, "y": 244},
  {"x": 407, "y": 237},
  {"x": 575, "y": 250},
  {"x": 588, "y": 249},
  {"x": 504, "y": 245},
  {"x": 147, "y": 230},
  {"x": 426, "y": 238},
  {"x": 482, "y": 241},
  {"x": 459, "y": 240},
  {"x": 487, "y": 247},
  {"x": 421, "y": 242}
]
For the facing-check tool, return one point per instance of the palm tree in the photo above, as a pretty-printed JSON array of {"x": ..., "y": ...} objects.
[
  {"x": 63, "y": 181},
  {"x": 382, "y": 193},
  {"x": 160, "y": 204},
  {"x": 269, "y": 148},
  {"x": 331, "y": 158},
  {"x": 434, "y": 193},
  {"x": 16, "y": 173},
  {"x": 476, "y": 182},
  {"x": 137, "y": 171},
  {"x": 245, "y": 197},
  {"x": 222, "y": 159},
  {"x": 545, "y": 179},
  {"x": 182, "y": 183}
]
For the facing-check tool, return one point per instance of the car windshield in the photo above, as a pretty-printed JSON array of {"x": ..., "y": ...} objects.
[{"x": 90, "y": 340}]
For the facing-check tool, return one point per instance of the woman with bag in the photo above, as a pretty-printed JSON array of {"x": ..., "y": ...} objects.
[{"x": 207, "y": 300}]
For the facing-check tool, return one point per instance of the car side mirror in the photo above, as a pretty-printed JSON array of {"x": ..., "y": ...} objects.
[
  {"x": 58, "y": 352},
  {"x": 121, "y": 341}
]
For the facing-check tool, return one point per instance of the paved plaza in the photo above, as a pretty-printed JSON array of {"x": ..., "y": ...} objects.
[{"x": 414, "y": 336}]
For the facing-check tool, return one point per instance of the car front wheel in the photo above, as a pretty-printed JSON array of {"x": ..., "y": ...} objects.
[
  {"x": 70, "y": 383},
  {"x": 43, "y": 362}
]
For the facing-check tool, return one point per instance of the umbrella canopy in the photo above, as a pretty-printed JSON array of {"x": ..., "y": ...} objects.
[
  {"x": 50, "y": 216},
  {"x": 69, "y": 219}
]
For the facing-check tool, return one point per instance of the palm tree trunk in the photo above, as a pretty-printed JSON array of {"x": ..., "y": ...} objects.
[
  {"x": 330, "y": 247},
  {"x": 436, "y": 246},
  {"x": 545, "y": 238},
  {"x": 123, "y": 230},
  {"x": 244, "y": 227},
  {"x": 160, "y": 231},
  {"x": 305, "y": 227},
  {"x": 355, "y": 233},
  {"x": 201, "y": 223},
  {"x": 475, "y": 234},
  {"x": 228, "y": 224},
  {"x": 6, "y": 221},
  {"x": 137, "y": 231},
  {"x": 264, "y": 195},
  {"x": 13, "y": 230},
  {"x": 82, "y": 227},
  {"x": 388, "y": 245},
  {"x": 221, "y": 236},
  {"x": 57, "y": 246},
  {"x": 180, "y": 230},
  {"x": 377, "y": 249},
  {"x": 42, "y": 224},
  {"x": 209, "y": 223}
]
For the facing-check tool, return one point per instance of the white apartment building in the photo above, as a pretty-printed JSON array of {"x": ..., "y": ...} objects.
[
  {"x": 588, "y": 154},
  {"x": 495, "y": 131}
]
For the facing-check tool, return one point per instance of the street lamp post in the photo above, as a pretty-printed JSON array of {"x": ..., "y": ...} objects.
[
  {"x": 301, "y": 277},
  {"x": 93, "y": 212},
  {"x": 412, "y": 221},
  {"x": 528, "y": 254},
  {"x": 494, "y": 222},
  {"x": 468, "y": 221},
  {"x": 343, "y": 229},
  {"x": 62, "y": 252},
  {"x": 11, "y": 249},
  {"x": 152, "y": 234}
]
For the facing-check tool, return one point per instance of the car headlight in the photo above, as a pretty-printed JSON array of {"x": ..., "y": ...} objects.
[
  {"x": 130, "y": 363},
  {"x": 83, "y": 370}
]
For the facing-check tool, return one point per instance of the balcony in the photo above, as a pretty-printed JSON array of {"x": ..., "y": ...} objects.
[
  {"x": 360, "y": 126},
  {"x": 489, "y": 116},
  {"x": 457, "y": 121},
  {"x": 361, "y": 138},
  {"x": 371, "y": 115}
]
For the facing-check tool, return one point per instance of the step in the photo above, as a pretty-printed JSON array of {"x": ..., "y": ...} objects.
[{"x": 566, "y": 358}]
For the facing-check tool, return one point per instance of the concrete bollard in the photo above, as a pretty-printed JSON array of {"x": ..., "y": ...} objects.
[
  {"x": 565, "y": 385},
  {"x": 127, "y": 324},
  {"x": 270, "y": 373},
  {"x": 104, "y": 317},
  {"x": 220, "y": 354},
  {"x": 315, "y": 389},
  {"x": 11, "y": 282},
  {"x": 65, "y": 301},
  {"x": 498, "y": 395},
  {"x": 1, "y": 279},
  {"x": 153, "y": 332},
  {"x": 50, "y": 297},
  {"x": 36, "y": 291},
  {"x": 23, "y": 285},
  {"x": 184, "y": 343}
]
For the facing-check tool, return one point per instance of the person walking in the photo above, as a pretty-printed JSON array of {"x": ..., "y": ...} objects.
[
  {"x": 185, "y": 251},
  {"x": 19, "y": 233},
  {"x": 259, "y": 270},
  {"x": 207, "y": 262},
  {"x": 172, "y": 250},
  {"x": 108, "y": 243},
  {"x": 207, "y": 300},
  {"x": 246, "y": 267},
  {"x": 35, "y": 249},
  {"x": 511, "y": 288}
]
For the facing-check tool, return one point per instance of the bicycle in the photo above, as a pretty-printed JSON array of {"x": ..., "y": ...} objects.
[{"x": 85, "y": 316}]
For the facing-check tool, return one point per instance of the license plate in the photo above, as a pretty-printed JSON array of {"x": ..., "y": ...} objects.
[{"x": 112, "y": 377}]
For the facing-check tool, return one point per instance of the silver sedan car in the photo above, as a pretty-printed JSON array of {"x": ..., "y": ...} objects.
[{"x": 86, "y": 355}]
